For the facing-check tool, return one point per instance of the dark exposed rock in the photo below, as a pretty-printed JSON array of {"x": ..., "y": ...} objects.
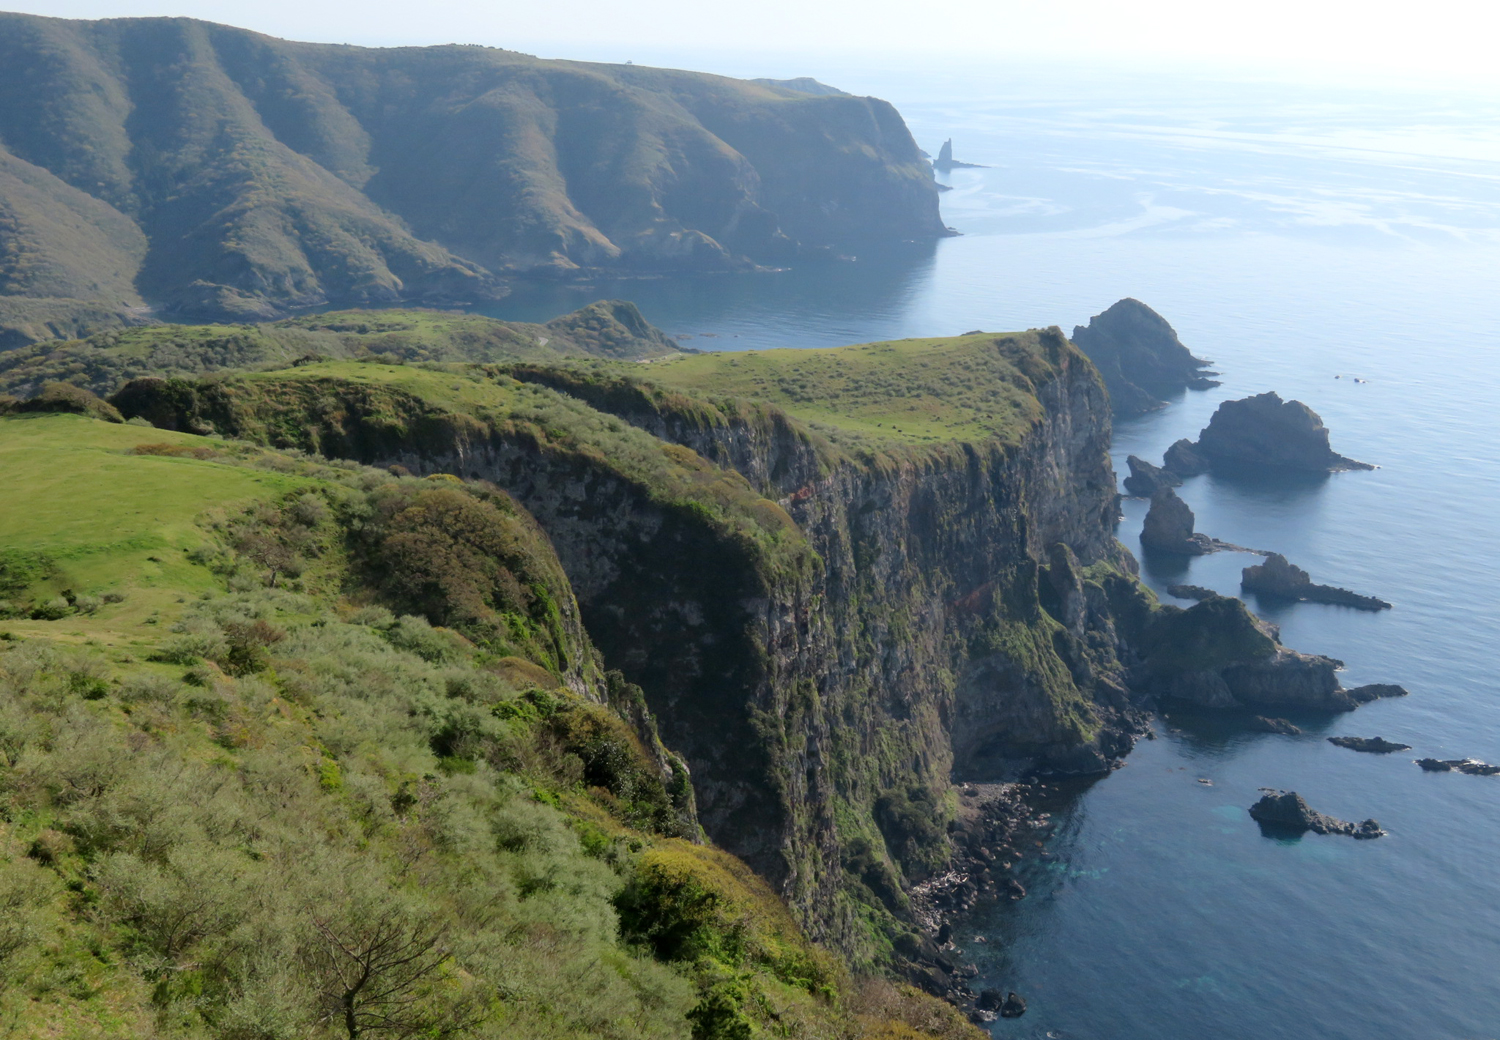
[
  {"x": 1183, "y": 459},
  {"x": 1373, "y": 744},
  {"x": 1279, "y": 577},
  {"x": 1261, "y": 724},
  {"x": 1014, "y": 1006},
  {"x": 1287, "y": 810},
  {"x": 1197, "y": 592},
  {"x": 945, "y": 160},
  {"x": 1140, "y": 357},
  {"x": 990, "y": 1000},
  {"x": 1459, "y": 765},
  {"x": 1169, "y": 526},
  {"x": 1219, "y": 655},
  {"x": 1266, "y": 433},
  {"x": 1145, "y": 479},
  {"x": 1375, "y": 691}
]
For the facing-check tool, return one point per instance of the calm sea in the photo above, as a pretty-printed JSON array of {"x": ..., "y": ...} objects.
[{"x": 1338, "y": 246}]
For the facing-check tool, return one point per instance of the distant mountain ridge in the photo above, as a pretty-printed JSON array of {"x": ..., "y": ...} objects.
[{"x": 209, "y": 172}]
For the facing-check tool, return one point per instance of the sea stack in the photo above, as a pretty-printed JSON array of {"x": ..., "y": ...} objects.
[
  {"x": 1265, "y": 433},
  {"x": 1286, "y": 810},
  {"x": 1145, "y": 479},
  {"x": 1169, "y": 526},
  {"x": 1280, "y": 577},
  {"x": 1140, "y": 357}
]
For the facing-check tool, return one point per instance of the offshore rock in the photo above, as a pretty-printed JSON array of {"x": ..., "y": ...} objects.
[
  {"x": 1183, "y": 459},
  {"x": 1375, "y": 691},
  {"x": 1279, "y": 577},
  {"x": 1197, "y": 592},
  {"x": 1140, "y": 357},
  {"x": 1169, "y": 526},
  {"x": 1372, "y": 744},
  {"x": 1472, "y": 766},
  {"x": 1218, "y": 655},
  {"x": 1287, "y": 810},
  {"x": 1266, "y": 433},
  {"x": 1145, "y": 479},
  {"x": 1261, "y": 724},
  {"x": 1014, "y": 1006}
]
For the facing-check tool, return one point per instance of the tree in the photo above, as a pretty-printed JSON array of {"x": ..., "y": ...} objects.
[{"x": 377, "y": 969}]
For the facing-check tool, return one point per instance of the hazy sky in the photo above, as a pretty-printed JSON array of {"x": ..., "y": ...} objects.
[{"x": 1409, "y": 38}]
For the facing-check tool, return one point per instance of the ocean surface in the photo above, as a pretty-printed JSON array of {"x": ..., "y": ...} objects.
[{"x": 1342, "y": 247}]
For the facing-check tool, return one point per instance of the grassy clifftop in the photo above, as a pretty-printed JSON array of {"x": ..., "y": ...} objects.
[
  {"x": 978, "y": 387},
  {"x": 216, "y": 173},
  {"x": 234, "y": 781}
]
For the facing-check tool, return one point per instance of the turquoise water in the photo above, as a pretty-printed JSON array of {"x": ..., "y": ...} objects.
[{"x": 1292, "y": 235}]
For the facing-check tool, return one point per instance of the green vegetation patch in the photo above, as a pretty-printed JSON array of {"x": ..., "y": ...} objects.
[{"x": 912, "y": 391}]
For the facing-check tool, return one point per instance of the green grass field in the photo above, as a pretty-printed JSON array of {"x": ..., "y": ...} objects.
[
  {"x": 914, "y": 391},
  {"x": 104, "y": 520}
]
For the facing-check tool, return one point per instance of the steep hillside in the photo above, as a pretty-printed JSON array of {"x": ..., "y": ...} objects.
[
  {"x": 292, "y": 749},
  {"x": 219, "y": 174}
]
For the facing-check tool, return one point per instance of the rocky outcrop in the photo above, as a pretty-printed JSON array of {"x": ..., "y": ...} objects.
[
  {"x": 1285, "y": 810},
  {"x": 1182, "y": 459},
  {"x": 1472, "y": 766},
  {"x": 1266, "y": 433},
  {"x": 1169, "y": 526},
  {"x": 1218, "y": 655},
  {"x": 1197, "y": 592},
  {"x": 1375, "y": 745},
  {"x": 1262, "y": 724},
  {"x": 946, "y": 162},
  {"x": 1140, "y": 357},
  {"x": 1145, "y": 479},
  {"x": 1278, "y": 577}
]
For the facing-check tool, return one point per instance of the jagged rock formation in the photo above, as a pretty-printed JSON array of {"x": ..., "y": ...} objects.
[
  {"x": 1140, "y": 357},
  {"x": 1169, "y": 526},
  {"x": 1278, "y": 577},
  {"x": 215, "y": 173},
  {"x": 1287, "y": 811},
  {"x": 945, "y": 160},
  {"x": 1374, "y": 745},
  {"x": 1182, "y": 459},
  {"x": 1472, "y": 766},
  {"x": 1266, "y": 433},
  {"x": 1218, "y": 655},
  {"x": 1145, "y": 479}
]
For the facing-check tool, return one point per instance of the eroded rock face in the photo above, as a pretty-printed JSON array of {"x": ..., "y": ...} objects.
[
  {"x": 1287, "y": 810},
  {"x": 1183, "y": 459},
  {"x": 1218, "y": 655},
  {"x": 1140, "y": 357},
  {"x": 1279, "y": 577},
  {"x": 1145, "y": 479},
  {"x": 1266, "y": 433},
  {"x": 1169, "y": 526}
]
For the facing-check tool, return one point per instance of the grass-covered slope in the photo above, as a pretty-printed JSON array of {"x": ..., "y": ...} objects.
[
  {"x": 104, "y": 362},
  {"x": 249, "y": 789},
  {"x": 221, "y": 174},
  {"x": 975, "y": 388}
]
